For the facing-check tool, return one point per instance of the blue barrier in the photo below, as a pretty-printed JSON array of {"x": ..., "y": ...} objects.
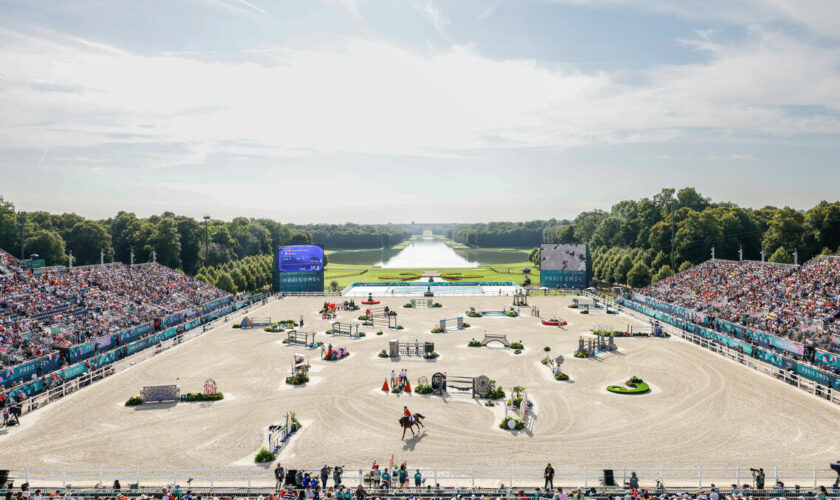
[
  {"x": 811, "y": 373},
  {"x": 51, "y": 363}
]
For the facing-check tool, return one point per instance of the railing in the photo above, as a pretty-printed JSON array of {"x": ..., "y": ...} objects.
[
  {"x": 794, "y": 379},
  {"x": 54, "y": 393},
  {"x": 312, "y": 294},
  {"x": 467, "y": 477}
]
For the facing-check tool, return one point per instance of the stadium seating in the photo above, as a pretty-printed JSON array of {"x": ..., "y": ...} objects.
[
  {"x": 796, "y": 303},
  {"x": 39, "y": 313}
]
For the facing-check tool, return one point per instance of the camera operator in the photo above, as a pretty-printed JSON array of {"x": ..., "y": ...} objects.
[
  {"x": 758, "y": 478},
  {"x": 836, "y": 468}
]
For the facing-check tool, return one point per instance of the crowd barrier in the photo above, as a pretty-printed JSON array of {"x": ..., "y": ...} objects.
[
  {"x": 814, "y": 374},
  {"x": 823, "y": 358},
  {"x": 106, "y": 349},
  {"x": 81, "y": 375},
  {"x": 470, "y": 477}
]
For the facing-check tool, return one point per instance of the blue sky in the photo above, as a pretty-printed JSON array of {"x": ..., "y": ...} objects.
[{"x": 427, "y": 110}]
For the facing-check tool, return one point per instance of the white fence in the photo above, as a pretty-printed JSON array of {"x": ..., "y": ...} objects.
[
  {"x": 258, "y": 477},
  {"x": 55, "y": 393},
  {"x": 787, "y": 376}
]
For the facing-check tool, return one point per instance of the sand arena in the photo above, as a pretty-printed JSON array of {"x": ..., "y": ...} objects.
[{"x": 704, "y": 410}]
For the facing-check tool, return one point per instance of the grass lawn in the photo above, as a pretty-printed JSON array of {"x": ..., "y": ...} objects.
[
  {"x": 345, "y": 274},
  {"x": 401, "y": 245},
  {"x": 452, "y": 243}
]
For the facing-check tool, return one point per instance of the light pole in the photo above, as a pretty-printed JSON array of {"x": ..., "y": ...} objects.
[
  {"x": 22, "y": 227},
  {"x": 206, "y": 237}
]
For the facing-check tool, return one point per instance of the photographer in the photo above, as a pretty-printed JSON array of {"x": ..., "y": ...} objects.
[
  {"x": 836, "y": 468},
  {"x": 337, "y": 471},
  {"x": 758, "y": 477}
]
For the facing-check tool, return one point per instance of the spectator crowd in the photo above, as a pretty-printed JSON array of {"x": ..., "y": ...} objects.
[
  {"x": 60, "y": 308},
  {"x": 801, "y": 304}
]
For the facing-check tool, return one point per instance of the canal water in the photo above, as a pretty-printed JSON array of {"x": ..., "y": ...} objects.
[{"x": 430, "y": 253}]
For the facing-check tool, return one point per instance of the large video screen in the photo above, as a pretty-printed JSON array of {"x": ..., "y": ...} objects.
[{"x": 300, "y": 258}]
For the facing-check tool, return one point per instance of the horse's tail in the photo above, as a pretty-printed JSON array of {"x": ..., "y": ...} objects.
[{"x": 419, "y": 415}]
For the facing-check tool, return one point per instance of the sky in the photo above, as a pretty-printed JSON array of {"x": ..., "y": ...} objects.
[{"x": 376, "y": 111}]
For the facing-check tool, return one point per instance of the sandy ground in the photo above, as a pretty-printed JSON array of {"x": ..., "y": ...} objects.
[{"x": 704, "y": 410}]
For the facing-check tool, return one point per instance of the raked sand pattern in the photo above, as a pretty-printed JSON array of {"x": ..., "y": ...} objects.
[{"x": 704, "y": 410}]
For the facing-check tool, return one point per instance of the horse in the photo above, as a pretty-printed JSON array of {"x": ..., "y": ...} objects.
[{"x": 406, "y": 423}]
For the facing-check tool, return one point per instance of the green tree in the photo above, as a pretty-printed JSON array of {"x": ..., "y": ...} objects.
[
  {"x": 688, "y": 197},
  {"x": 607, "y": 232},
  {"x": 120, "y": 228},
  {"x": 239, "y": 279},
  {"x": 620, "y": 271},
  {"x": 300, "y": 238},
  {"x": 564, "y": 234},
  {"x": 534, "y": 257},
  {"x": 86, "y": 239},
  {"x": 664, "y": 272},
  {"x": 225, "y": 282},
  {"x": 166, "y": 242},
  {"x": 698, "y": 233},
  {"x": 191, "y": 237},
  {"x": 49, "y": 245},
  {"x": 639, "y": 276},
  {"x": 586, "y": 223},
  {"x": 785, "y": 230},
  {"x": 781, "y": 256},
  {"x": 685, "y": 266},
  {"x": 9, "y": 234}
]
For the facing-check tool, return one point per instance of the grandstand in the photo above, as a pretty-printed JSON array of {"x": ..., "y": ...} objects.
[
  {"x": 64, "y": 315},
  {"x": 799, "y": 303}
]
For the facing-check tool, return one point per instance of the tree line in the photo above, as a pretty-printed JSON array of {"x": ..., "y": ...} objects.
[
  {"x": 355, "y": 236},
  {"x": 503, "y": 234},
  {"x": 177, "y": 241},
  {"x": 633, "y": 242}
]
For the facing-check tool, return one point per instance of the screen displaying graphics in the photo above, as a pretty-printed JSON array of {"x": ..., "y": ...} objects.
[
  {"x": 298, "y": 258},
  {"x": 299, "y": 268},
  {"x": 565, "y": 266}
]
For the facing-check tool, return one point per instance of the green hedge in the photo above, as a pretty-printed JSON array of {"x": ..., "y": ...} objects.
[
  {"x": 264, "y": 456},
  {"x": 424, "y": 389},
  {"x": 134, "y": 401},
  {"x": 297, "y": 379},
  {"x": 474, "y": 343},
  {"x": 198, "y": 396},
  {"x": 519, "y": 423},
  {"x": 635, "y": 384}
]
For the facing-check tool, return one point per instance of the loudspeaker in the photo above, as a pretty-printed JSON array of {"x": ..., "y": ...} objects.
[{"x": 609, "y": 479}]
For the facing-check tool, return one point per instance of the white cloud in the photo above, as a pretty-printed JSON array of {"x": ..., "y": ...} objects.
[
  {"x": 370, "y": 97},
  {"x": 819, "y": 16}
]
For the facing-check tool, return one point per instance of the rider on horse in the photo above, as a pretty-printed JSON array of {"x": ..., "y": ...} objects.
[{"x": 408, "y": 414}]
